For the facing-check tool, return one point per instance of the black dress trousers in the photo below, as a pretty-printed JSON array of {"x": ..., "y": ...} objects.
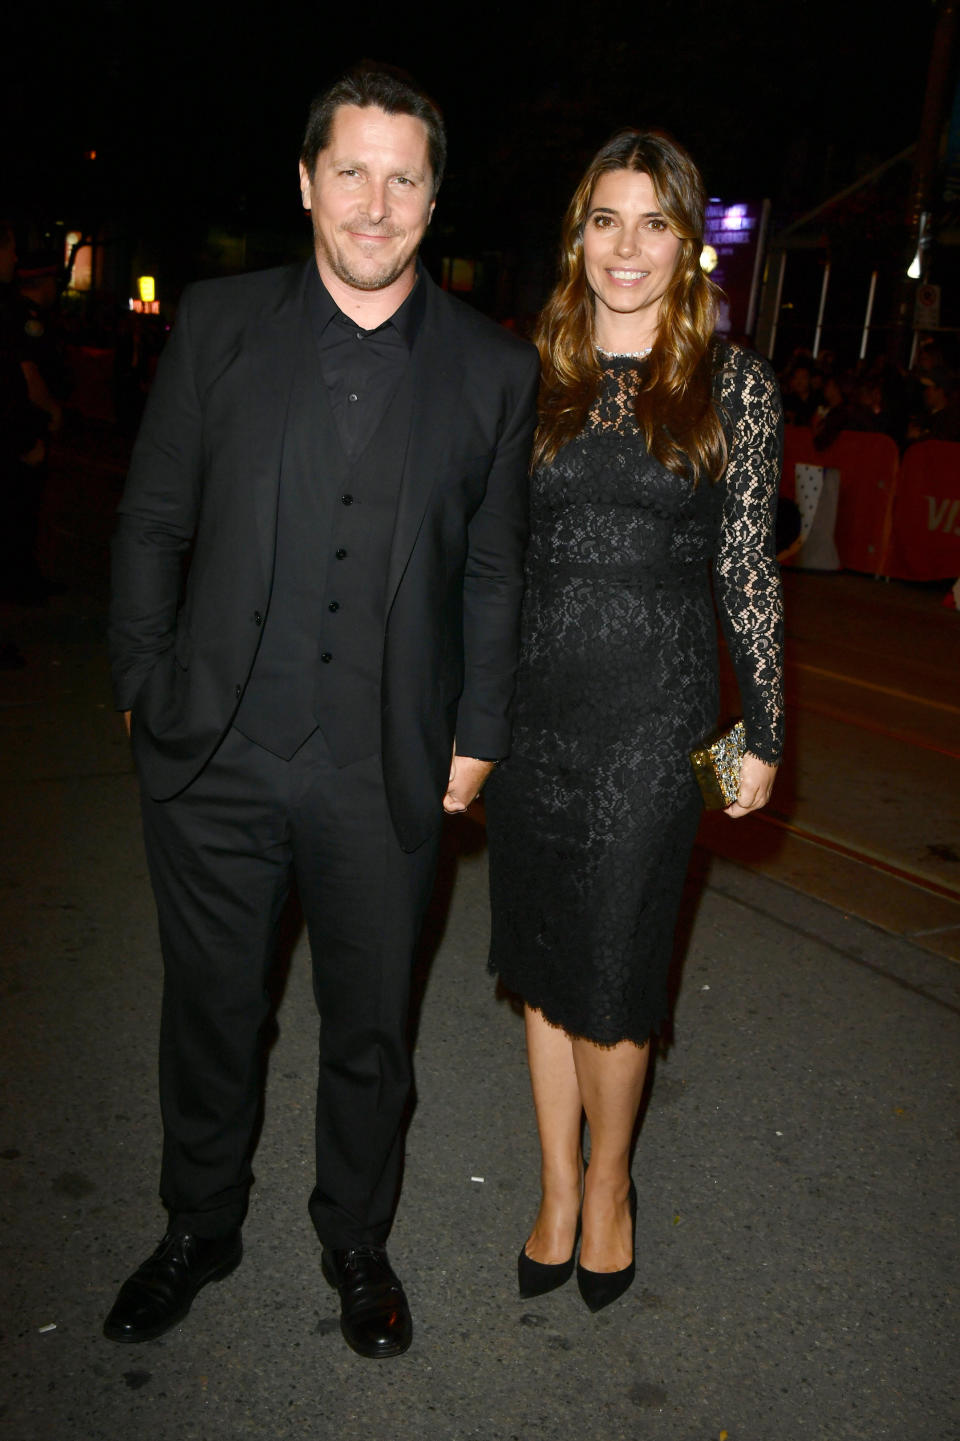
[{"x": 221, "y": 858}]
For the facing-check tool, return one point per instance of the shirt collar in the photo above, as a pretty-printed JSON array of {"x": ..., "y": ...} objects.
[{"x": 406, "y": 319}]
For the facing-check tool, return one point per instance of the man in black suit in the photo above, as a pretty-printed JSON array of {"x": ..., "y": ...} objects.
[{"x": 344, "y": 447}]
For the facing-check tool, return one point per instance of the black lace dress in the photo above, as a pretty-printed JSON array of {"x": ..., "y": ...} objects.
[{"x": 592, "y": 819}]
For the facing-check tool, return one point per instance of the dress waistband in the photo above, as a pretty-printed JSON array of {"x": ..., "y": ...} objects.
[{"x": 644, "y": 577}]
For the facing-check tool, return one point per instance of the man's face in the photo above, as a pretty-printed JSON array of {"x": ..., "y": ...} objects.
[{"x": 370, "y": 196}]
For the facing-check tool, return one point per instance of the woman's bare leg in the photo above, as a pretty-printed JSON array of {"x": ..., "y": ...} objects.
[
  {"x": 610, "y": 1082},
  {"x": 556, "y": 1099}
]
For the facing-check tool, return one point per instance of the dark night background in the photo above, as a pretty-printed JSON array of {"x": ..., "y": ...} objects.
[{"x": 195, "y": 112}]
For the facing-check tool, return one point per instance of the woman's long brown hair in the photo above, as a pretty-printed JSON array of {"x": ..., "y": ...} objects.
[{"x": 674, "y": 402}]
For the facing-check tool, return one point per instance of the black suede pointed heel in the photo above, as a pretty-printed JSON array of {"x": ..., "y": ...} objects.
[
  {"x": 599, "y": 1288},
  {"x": 536, "y": 1279}
]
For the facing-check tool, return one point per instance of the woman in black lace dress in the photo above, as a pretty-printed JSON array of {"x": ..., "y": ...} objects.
[{"x": 657, "y": 460}]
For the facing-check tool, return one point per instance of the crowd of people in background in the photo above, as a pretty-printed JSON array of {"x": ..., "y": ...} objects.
[{"x": 918, "y": 404}]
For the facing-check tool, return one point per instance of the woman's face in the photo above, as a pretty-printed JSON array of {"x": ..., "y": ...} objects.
[{"x": 629, "y": 251}]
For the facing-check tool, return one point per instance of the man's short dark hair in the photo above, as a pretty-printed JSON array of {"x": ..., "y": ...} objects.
[{"x": 390, "y": 90}]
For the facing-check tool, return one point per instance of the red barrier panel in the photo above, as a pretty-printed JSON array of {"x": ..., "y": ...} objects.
[
  {"x": 926, "y": 513},
  {"x": 868, "y": 464}
]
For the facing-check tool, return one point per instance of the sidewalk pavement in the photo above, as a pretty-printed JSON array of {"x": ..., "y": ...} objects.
[{"x": 796, "y": 1168}]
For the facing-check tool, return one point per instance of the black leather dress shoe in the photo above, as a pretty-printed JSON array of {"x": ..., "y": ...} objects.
[
  {"x": 161, "y": 1291},
  {"x": 374, "y": 1315}
]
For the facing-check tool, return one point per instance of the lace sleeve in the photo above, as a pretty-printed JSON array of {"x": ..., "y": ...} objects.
[{"x": 746, "y": 573}]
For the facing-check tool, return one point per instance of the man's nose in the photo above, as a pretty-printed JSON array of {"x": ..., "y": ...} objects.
[{"x": 378, "y": 200}]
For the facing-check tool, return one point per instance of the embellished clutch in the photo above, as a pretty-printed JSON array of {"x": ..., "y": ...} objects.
[{"x": 716, "y": 765}]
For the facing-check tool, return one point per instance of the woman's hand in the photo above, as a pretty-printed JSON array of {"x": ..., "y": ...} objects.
[{"x": 756, "y": 783}]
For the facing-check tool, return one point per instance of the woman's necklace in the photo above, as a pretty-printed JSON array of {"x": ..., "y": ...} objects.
[{"x": 624, "y": 354}]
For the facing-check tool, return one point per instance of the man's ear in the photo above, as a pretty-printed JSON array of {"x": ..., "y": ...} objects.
[{"x": 304, "y": 186}]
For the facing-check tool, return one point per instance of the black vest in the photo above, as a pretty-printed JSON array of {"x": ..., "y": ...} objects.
[{"x": 320, "y": 656}]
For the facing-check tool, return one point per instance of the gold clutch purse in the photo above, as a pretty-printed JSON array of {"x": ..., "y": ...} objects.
[{"x": 716, "y": 765}]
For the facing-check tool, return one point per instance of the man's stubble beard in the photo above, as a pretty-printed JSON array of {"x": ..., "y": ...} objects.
[{"x": 377, "y": 280}]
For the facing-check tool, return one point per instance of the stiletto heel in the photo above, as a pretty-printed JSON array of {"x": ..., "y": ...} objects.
[
  {"x": 535, "y": 1278},
  {"x": 599, "y": 1288}
]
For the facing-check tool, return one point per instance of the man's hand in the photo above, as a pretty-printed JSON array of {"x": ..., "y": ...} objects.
[
  {"x": 756, "y": 783},
  {"x": 467, "y": 775}
]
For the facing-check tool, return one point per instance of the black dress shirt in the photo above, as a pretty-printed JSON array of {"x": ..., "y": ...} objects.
[{"x": 361, "y": 368}]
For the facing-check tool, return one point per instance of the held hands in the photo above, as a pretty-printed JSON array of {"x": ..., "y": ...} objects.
[
  {"x": 467, "y": 775},
  {"x": 756, "y": 783}
]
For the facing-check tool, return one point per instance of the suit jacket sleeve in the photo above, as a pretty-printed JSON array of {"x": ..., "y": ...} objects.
[
  {"x": 493, "y": 581},
  {"x": 156, "y": 518}
]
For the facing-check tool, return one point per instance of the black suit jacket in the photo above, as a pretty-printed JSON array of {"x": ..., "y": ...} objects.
[{"x": 205, "y": 474}]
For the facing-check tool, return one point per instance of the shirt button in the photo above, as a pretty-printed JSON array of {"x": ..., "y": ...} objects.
[
  {"x": 351, "y": 396},
  {"x": 346, "y": 500},
  {"x": 341, "y": 554},
  {"x": 360, "y": 335},
  {"x": 334, "y": 605},
  {"x": 326, "y": 657}
]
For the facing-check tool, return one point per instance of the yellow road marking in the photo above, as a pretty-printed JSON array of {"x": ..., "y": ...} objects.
[
  {"x": 872, "y": 685},
  {"x": 866, "y": 857}
]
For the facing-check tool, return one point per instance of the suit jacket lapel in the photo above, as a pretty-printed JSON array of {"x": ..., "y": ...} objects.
[
  {"x": 271, "y": 347},
  {"x": 437, "y": 382}
]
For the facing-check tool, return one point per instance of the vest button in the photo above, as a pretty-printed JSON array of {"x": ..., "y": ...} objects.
[
  {"x": 341, "y": 554},
  {"x": 334, "y": 605},
  {"x": 346, "y": 500},
  {"x": 352, "y": 397},
  {"x": 257, "y": 618},
  {"x": 239, "y": 691},
  {"x": 326, "y": 657}
]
